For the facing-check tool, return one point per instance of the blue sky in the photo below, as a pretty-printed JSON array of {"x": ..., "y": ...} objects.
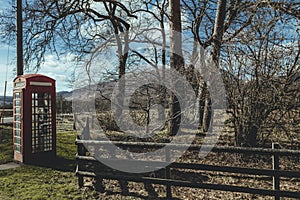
[
  {"x": 60, "y": 70},
  {"x": 3, "y": 69}
]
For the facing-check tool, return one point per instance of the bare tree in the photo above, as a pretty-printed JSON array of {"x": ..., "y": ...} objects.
[
  {"x": 263, "y": 65},
  {"x": 217, "y": 25},
  {"x": 243, "y": 39},
  {"x": 58, "y": 27}
]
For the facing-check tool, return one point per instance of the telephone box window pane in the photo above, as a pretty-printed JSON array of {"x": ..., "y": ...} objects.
[
  {"x": 17, "y": 110},
  {"x": 18, "y": 132},
  {"x": 18, "y": 148},
  {"x": 18, "y": 118},
  {"x": 17, "y": 102},
  {"x": 17, "y": 95},
  {"x": 18, "y": 126},
  {"x": 18, "y": 140}
]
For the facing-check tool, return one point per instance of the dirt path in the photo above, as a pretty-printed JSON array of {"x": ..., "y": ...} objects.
[{"x": 10, "y": 165}]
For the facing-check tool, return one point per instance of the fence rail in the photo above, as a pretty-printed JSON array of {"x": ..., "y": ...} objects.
[{"x": 84, "y": 158}]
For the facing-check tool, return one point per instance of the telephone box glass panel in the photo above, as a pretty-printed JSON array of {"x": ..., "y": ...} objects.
[{"x": 41, "y": 122}]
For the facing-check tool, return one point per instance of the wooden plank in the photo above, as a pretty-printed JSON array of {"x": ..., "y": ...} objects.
[
  {"x": 223, "y": 149},
  {"x": 180, "y": 183},
  {"x": 276, "y": 173},
  {"x": 229, "y": 169}
]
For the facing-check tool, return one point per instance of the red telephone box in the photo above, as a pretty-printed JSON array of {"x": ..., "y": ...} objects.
[{"x": 34, "y": 125}]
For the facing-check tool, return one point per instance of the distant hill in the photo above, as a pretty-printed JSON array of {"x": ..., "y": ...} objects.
[
  {"x": 105, "y": 87},
  {"x": 64, "y": 94},
  {"x": 9, "y": 100}
]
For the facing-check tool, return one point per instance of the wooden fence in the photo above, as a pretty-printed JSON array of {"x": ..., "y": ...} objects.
[{"x": 86, "y": 162}]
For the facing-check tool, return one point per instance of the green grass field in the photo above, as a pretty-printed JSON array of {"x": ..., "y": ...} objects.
[{"x": 34, "y": 182}]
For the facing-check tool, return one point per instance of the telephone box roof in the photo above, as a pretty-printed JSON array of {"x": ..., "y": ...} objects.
[{"x": 39, "y": 77}]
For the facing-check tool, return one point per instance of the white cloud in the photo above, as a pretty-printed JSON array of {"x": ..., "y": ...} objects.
[{"x": 58, "y": 69}]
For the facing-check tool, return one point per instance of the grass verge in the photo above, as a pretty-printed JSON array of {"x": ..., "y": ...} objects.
[
  {"x": 34, "y": 182},
  {"x": 6, "y": 148}
]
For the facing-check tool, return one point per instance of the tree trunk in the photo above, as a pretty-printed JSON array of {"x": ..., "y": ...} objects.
[
  {"x": 176, "y": 63},
  {"x": 207, "y": 112},
  {"x": 215, "y": 55},
  {"x": 162, "y": 90},
  {"x": 122, "y": 55},
  {"x": 218, "y": 31},
  {"x": 251, "y": 136}
]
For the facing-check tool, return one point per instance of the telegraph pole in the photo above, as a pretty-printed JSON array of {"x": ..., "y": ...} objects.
[{"x": 20, "y": 65}]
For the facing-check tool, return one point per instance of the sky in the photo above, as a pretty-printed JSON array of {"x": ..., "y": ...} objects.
[{"x": 60, "y": 70}]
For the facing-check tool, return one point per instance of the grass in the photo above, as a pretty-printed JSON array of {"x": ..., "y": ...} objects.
[
  {"x": 58, "y": 181},
  {"x": 6, "y": 150},
  {"x": 36, "y": 182},
  {"x": 30, "y": 182}
]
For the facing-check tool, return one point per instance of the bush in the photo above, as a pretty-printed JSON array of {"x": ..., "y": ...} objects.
[{"x": 107, "y": 121}]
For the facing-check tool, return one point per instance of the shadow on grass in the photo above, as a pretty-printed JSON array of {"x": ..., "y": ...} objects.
[
  {"x": 151, "y": 193},
  {"x": 136, "y": 195},
  {"x": 58, "y": 163}
]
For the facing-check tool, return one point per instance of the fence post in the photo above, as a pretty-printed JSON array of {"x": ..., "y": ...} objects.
[
  {"x": 80, "y": 152},
  {"x": 86, "y": 130},
  {"x": 276, "y": 178},
  {"x": 93, "y": 118},
  {"x": 74, "y": 121},
  {"x": 168, "y": 174}
]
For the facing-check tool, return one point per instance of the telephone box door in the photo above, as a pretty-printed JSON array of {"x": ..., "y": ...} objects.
[{"x": 41, "y": 122}]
